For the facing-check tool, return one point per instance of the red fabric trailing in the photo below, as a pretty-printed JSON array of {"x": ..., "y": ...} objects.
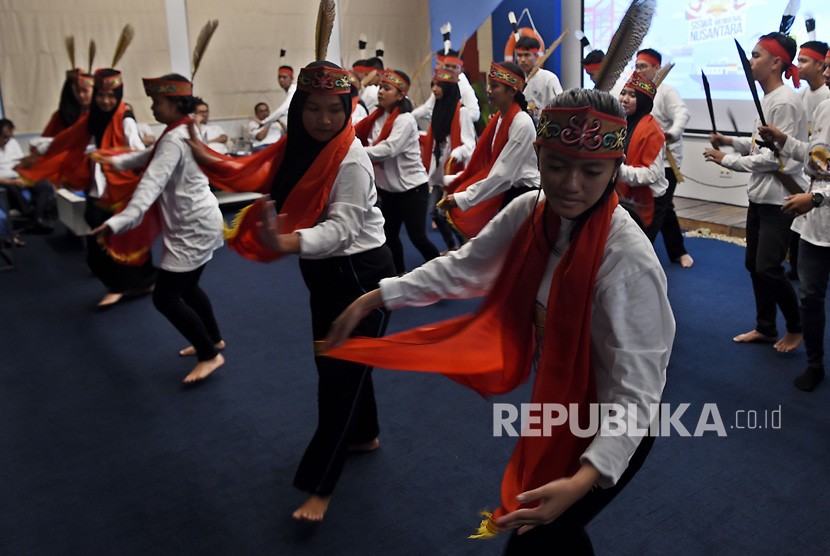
[
  {"x": 492, "y": 349},
  {"x": 471, "y": 222},
  {"x": 646, "y": 144},
  {"x": 455, "y": 141},
  {"x": 304, "y": 205}
]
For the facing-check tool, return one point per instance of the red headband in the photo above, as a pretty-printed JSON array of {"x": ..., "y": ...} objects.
[
  {"x": 773, "y": 47},
  {"x": 591, "y": 68},
  {"x": 363, "y": 69},
  {"x": 451, "y": 60},
  {"x": 285, "y": 71},
  {"x": 648, "y": 58},
  {"x": 814, "y": 54},
  {"x": 445, "y": 75},
  {"x": 533, "y": 50}
]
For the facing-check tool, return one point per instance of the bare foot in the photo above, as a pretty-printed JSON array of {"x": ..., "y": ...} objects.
[
  {"x": 788, "y": 343},
  {"x": 313, "y": 509},
  {"x": 190, "y": 350},
  {"x": 686, "y": 261},
  {"x": 370, "y": 446},
  {"x": 203, "y": 369},
  {"x": 753, "y": 336},
  {"x": 110, "y": 299}
]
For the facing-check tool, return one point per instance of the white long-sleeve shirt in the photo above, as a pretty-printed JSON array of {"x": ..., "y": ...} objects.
[
  {"x": 653, "y": 175},
  {"x": 632, "y": 325},
  {"x": 671, "y": 113},
  {"x": 275, "y": 132},
  {"x": 281, "y": 112},
  {"x": 191, "y": 220},
  {"x": 540, "y": 90},
  {"x": 461, "y": 153},
  {"x": 515, "y": 166},
  {"x": 814, "y": 226},
  {"x": 369, "y": 96},
  {"x": 351, "y": 222},
  {"x": 10, "y": 156},
  {"x": 782, "y": 108},
  {"x": 400, "y": 166},
  {"x": 810, "y": 100},
  {"x": 423, "y": 113}
]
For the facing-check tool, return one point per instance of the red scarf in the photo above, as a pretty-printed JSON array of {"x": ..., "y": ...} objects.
[
  {"x": 54, "y": 126},
  {"x": 493, "y": 348},
  {"x": 428, "y": 145},
  {"x": 487, "y": 150},
  {"x": 302, "y": 208},
  {"x": 363, "y": 128},
  {"x": 646, "y": 144}
]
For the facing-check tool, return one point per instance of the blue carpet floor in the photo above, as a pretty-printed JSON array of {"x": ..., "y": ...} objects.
[{"x": 102, "y": 452}]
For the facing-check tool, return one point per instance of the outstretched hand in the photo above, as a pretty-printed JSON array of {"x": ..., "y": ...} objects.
[
  {"x": 554, "y": 498},
  {"x": 271, "y": 231},
  {"x": 343, "y": 326}
]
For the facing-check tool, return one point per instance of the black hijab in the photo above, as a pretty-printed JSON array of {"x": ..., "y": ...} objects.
[
  {"x": 98, "y": 119},
  {"x": 69, "y": 109},
  {"x": 443, "y": 114},
  {"x": 300, "y": 148}
]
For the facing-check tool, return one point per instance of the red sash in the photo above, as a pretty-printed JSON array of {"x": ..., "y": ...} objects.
[
  {"x": 428, "y": 146},
  {"x": 54, "y": 126},
  {"x": 363, "y": 129},
  {"x": 492, "y": 349},
  {"x": 471, "y": 222},
  {"x": 646, "y": 143},
  {"x": 302, "y": 208}
]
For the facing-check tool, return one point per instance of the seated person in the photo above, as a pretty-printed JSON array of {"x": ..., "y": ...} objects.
[
  {"x": 212, "y": 135},
  {"x": 33, "y": 201},
  {"x": 263, "y": 135}
]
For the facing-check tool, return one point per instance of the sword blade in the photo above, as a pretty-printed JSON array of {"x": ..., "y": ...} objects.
[{"x": 709, "y": 105}]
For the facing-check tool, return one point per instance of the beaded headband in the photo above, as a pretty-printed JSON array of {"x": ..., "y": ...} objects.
[
  {"x": 324, "y": 80},
  {"x": 581, "y": 132},
  {"x": 504, "y": 75},
  {"x": 443, "y": 74},
  {"x": 640, "y": 83},
  {"x": 108, "y": 83},
  {"x": 166, "y": 88},
  {"x": 394, "y": 79}
]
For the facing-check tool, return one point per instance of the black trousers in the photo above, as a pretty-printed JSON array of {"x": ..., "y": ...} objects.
[
  {"x": 661, "y": 207},
  {"x": 179, "y": 298},
  {"x": 672, "y": 235},
  {"x": 767, "y": 240},
  {"x": 566, "y": 535},
  {"x": 410, "y": 209},
  {"x": 37, "y": 208},
  {"x": 449, "y": 234},
  {"x": 813, "y": 271},
  {"x": 116, "y": 277},
  {"x": 346, "y": 409}
]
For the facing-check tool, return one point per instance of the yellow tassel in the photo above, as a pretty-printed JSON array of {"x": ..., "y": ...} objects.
[
  {"x": 487, "y": 529},
  {"x": 233, "y": 230}
]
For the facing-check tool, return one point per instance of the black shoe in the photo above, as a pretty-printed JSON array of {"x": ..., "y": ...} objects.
[{"x": 809, "y": 379}]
